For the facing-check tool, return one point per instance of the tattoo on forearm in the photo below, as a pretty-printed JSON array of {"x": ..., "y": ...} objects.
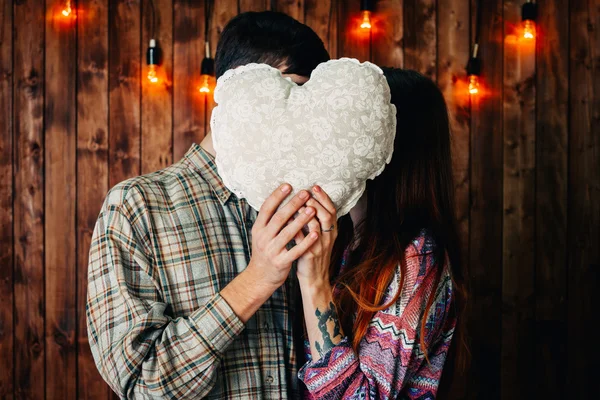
[{"x": 328, "y": 314}]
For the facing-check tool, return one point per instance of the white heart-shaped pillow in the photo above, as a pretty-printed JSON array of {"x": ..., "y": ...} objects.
[{"x": 337, "y": 130}]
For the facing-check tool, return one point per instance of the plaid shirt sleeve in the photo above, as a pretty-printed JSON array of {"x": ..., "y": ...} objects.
[{"x": 138, "y": 348}]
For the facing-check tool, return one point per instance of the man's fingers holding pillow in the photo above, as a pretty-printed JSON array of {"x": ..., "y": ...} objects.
[
  {"x": 271, "y": 203},
  {"x": 283, "y": 215},
  {"x": 302, "y": 247},
  {"x": 289, "y": 232}
]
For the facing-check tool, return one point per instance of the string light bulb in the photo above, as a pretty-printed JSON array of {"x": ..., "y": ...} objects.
[
  {"x": 207, "y": 72},
  {"x": 152, "y": 56},
  {"x": 528, "y": 16},
  {"x": 474, "y": 71},
  {"x": 366, "y": 8},
  {"x": 67, "y": 10}
]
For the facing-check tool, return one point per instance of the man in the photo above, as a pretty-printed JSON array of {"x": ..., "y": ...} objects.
[{"x": 178, "y": 305}]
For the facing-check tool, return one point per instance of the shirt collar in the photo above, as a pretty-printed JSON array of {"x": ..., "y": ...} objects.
[{"x": 204, "y": 163}]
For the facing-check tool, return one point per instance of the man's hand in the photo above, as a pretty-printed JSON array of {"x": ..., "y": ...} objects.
[
  {"x": 271, "y": 262},
  {"x": 271, "y": 233}
]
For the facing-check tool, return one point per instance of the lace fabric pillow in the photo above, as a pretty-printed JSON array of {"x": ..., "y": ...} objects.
[{"x": 337, "y": 130}]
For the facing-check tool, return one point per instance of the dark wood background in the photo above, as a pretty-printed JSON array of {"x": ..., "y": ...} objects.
[{"x": 77, "y": 116}]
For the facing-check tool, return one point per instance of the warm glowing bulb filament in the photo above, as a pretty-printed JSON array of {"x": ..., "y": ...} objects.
[
  {"x": 528, "y": 29},
  {"x": 473, "y": 84},
  {"x": 152, "y": 77},
  {"x": 366, "y": 21},
  {"x": 67, "y": 10},
  {"x": 205, "y": 86}
]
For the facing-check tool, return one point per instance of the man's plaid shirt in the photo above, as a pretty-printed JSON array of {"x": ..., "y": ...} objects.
[{"x": 164, "y": 246}]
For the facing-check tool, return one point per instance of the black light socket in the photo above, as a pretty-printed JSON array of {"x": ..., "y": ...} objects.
[
  {"x": 153, "y": 54},
  {"x": 207, "y": 67},
  {"x": 366, "y": 5},
  {"x": 474, "y": 66},
  {"x": 529, "y": 11},
  {"x": 208, "y": 64}
]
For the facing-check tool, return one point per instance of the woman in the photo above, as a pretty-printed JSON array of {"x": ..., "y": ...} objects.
[{"x": 367, "y": 338}]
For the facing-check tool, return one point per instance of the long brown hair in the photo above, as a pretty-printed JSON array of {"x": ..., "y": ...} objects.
[{"x": 414, "y": 193}]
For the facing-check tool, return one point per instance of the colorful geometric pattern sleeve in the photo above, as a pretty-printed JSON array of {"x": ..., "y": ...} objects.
[{"x": 390, "y": 363}]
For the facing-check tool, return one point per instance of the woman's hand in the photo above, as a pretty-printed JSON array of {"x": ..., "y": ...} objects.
[
  {"x": 320, "y": 314},
  {"x": 313, "y": 266}
]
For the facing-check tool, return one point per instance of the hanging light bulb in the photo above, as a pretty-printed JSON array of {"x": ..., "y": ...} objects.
[
  {"x": 529, "y": 14},
  {"x": 67, "y": 11},
  {"x": 473, "y": 84},
  {"x": 207, "y": 72},
  {"x": 473, "y": 71},
  {"x": 152, "y": 56},
  {"x": 366, "y": 8}
]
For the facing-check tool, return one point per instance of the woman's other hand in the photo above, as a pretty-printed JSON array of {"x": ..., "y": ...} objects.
[{"x": 313, "y": 266}]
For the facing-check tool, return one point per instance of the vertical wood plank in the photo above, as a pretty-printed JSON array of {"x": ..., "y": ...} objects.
[
  {"x": 293, "y": 8},
  {"x": 189, "y": 108},
  {"x": 352, "y": 40},
  {"x": 124, "y": 90},
  {"x": 92, "y": 169},
  {"x": 387, "y": 36},
  {"x": 321, "y": 16},
  {"x": 551, "y": 198},
  {"x": 420, "y": 48},
  {"x": 28, "y": 111},
  {"x": 518, "y": 258},
  {"x": 60, "y": 188},
  {"x": 584, "y": 197},
  {"x": 453, "y": 51},
  {"x": 157, "y": 98},
  {"x": 253, "y": 5},
  {"x": 486, "y": 210},
  {"x": 223, "y": 12},
  {"x": 6, "y": 202}
]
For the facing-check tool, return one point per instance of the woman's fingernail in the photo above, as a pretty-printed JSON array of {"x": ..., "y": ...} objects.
[
  {"x": 316, "y": 189},
  {"x": 304, "y": 195},
  {"x": 309, "y": 211},
  {"x": 313, "y": 235},
  {"x": 285, "y": 188}
]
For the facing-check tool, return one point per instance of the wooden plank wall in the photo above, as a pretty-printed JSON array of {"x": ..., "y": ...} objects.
[{"x": 77, "y": 116}]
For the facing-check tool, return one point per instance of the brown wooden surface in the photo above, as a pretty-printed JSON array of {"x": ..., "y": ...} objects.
[
  {"x": 420, "y": 49},
  {"x": 157, "y": 99},
  {"x": 485, "y": 261},
  {"x": 453, "y": 43},
  {"x": 253, "y": 5},
  {"x": 124, "y": 90},
  {"x": 60, "y": 202},
  {"x": 321, "y": 16},
  {"x": 223, "y": 12},
  {"x": 28, "y": 280},
  {"x": 77, "y": 116},
  {"x": 294, "y": 8},
  {"x": 584, "y": 197},
  {"x": 352, "y": 40},
  {"x": 552, "y": 143},
  {"x": 518, "y": 258},
  {"x": 189, "y": 112},
  {"x": 6, "y": 202},
  {"x": 388, "y": 29},
  {"x": 92, "y": 169}
]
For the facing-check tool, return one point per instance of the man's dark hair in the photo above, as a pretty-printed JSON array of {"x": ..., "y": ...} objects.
[{"x": 271, "y": 38}]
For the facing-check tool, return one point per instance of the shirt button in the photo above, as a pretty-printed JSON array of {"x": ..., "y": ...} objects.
[{"x": 270, "y": 379}]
